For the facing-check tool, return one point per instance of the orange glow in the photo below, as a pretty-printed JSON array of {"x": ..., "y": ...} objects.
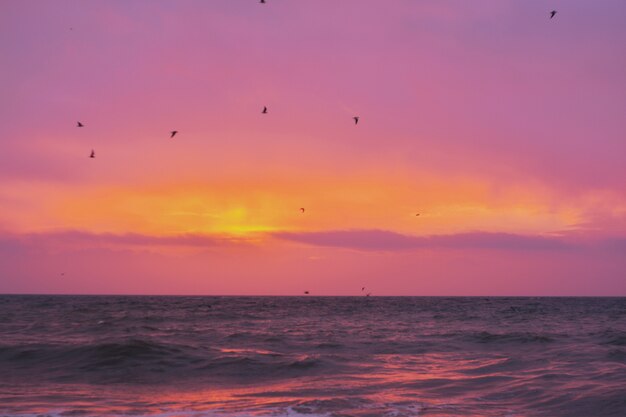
[{"x": 251, "y": 207}]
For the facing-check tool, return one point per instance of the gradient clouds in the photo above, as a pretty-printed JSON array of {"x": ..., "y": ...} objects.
[
  {"x": 389, "y": 241},
  {"x": 503, "y": 128}
]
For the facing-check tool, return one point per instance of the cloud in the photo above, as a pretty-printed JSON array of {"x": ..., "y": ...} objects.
[
  {"x": 12, "y": 242},
  {"x": 362, "y": 240},
  {"x": 617, "y": 244},
  {"x": 381, "y": 240}
]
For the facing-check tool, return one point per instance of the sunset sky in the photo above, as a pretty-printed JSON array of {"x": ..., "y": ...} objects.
[{"x": 504, "y": 129}]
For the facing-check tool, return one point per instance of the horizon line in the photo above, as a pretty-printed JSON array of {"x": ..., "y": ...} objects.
[{"x": 306, "y": 295}]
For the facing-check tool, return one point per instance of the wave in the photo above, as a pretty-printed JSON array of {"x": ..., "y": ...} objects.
[
  {"x": 139, "y": 360},
  {"x": 612, "y": 337},
  {"x": 131, "y": 360},
  {"x": 617, "y": 355},
  {"x": 487, "y": 337}
]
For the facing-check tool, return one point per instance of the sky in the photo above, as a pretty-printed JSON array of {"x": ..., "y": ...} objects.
[{"x": 502, "y": 128}]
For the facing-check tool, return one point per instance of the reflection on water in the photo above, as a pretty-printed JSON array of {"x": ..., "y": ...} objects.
[{"x": 269, "y": 356}]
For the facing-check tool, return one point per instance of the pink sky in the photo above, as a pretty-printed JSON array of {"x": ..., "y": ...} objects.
[{"x": 502, "y": 128}]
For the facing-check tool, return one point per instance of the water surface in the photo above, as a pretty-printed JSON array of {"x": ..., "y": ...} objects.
[{"x": 312, "y": 356}]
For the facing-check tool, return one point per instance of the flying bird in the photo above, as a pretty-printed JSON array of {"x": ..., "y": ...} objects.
[
  {"x": 79, "y": 124},
  {"x": 93, "y": 154},
  {"x": 264, "y": 108},
  {"x": 417, "y": 214},
  {"x": 262, "y": 1},
  {"x": 552, "y": 13},
  {"x": 368, "y": 294},
  {"x": 306, "y": 292},
  {"x": 173, "y": 133},
  {"x": 362, "y": 288},
  {"x": 356, "y": 120},
  {"x": 302, "y": 209}
]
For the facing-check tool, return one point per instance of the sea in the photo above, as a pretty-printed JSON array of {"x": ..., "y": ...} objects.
[{"x": 312, "y": 356}]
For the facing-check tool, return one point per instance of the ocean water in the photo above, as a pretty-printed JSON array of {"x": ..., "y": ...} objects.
[{"x": 312, "y": 356}]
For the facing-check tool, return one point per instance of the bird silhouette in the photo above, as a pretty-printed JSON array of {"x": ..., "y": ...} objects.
[
  {"x": 356, "y": 120},
  {"x": 417, "y": 214},
  {"x": 79, "y": 124},
  {"x": 306, "y": 292},
  {"x": 368, "y": 294},
  {"x": 362, "y": 288},
  {"x": 262, "y": 1},
  {"x": 552, "y": 13},
  {"x": 264, "y": 108},
  {"x": 93, "y": 154},
  {"x": 173, "y": 133},
  {"x": 302, "y": 209}
]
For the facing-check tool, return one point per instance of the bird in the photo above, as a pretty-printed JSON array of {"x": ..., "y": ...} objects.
[
  {"x": 362, "y": 288},
  {"x": 173, "y": 133},
  {"x": 262, "y": 1},
  {"x": 93, "y": 154},
  {"x": 552, "y": 13},
  {"x": 368, "y": 294},
  {"x": 356, "y": 120},
  {"x": 306, "y": 292},
  {"x": 417, "y": 214},
  {"x": 79, "y": 124},
  {"x": 302, "y": 209},
  {"x": 264, "y": 108}
]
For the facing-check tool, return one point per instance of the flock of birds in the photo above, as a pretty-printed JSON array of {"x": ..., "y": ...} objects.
[
  {"x": 174, "y": 132},
  {"x": 264, "y": 111}
]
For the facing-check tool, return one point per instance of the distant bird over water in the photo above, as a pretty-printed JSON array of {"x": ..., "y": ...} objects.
[
  {"x": 173, "y": 133},
  {"x": 552, "y": 13},
  {"x": 301, "y": 209},
  {"x": 306, "y": 292},
  {"x": 417, "y": 215},
  {"x": 356, "y": 120},
  {"x": 93, "y": 154},
  {"x": 79, "y": 124},
  {"x": 262, "y": 1},
  {"x": 264, "y": 108}
]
